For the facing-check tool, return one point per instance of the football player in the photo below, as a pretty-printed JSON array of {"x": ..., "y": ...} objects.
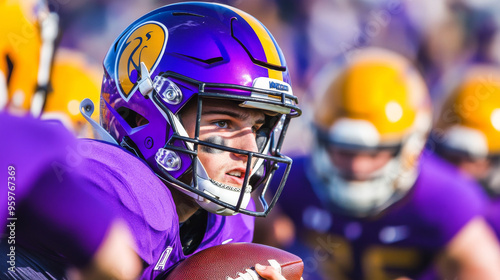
[
  {"x": 195, "y": 102},
  {"x": 27, "y": 44},
  {"x": 43, "y": 209},
  {"x": 73, "y": 79},
  {"x": 30, "y": 79},
  {"x": 367, "y": 202},
  {"x": 47, "y": 209},
  {"x": 467, "y": 133}
]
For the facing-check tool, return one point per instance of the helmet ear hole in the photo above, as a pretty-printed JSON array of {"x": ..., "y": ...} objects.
[{"x": 132, "y": 118}]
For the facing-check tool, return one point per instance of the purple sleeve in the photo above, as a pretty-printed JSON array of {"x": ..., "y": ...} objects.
[
  {"x": 450, "y": 201},
  {"x": 51, "y": 206},
  {"x": 134, "y": 192},
  {"x": 64, "y": 217}
]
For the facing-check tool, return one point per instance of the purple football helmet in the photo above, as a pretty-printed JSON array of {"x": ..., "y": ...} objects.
[{"x": 191, "y": 52}]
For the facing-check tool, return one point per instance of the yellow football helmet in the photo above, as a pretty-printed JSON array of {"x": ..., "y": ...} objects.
[
  {"x": 377, "y": 101},
  {"x": 27, "y": 37},
  {"x": 73, "y": 79},
  {"x": 469, "y": 122}
]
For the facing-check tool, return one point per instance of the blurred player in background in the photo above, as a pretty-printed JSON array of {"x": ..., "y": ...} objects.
[
  {"x": 34, "y": 78},
  {"x": 467, "y": 132},
  {"x": 45, "y": 207},
  {"x": 73, "y": 79},
  {"x": 27, "y": 45},
  {"x": 366, "y": 203}
]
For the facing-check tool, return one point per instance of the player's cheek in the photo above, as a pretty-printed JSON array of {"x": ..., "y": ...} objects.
[{"x": 212, "y": 162}]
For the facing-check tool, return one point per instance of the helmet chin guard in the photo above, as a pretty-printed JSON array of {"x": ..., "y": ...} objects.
[{"x": 220, "y": 191}]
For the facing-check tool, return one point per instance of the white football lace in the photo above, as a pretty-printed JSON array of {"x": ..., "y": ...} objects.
[{"x": 250, "y": 274}]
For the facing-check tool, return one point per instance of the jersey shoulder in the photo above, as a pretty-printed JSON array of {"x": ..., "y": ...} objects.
[
  {"x": 127, "y": 178},
  {"x": 36, "y": 148},
  {"x": 438, "y": 179},
  {"x": 26, "y": 136},
  {"x": 444, "y": 200},
  {"x": 134, "y": 191}
]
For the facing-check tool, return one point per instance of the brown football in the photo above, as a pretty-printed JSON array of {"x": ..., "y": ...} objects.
[{"x": 237, "y": 261}]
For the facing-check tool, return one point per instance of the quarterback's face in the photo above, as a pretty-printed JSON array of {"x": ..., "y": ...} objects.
[{"x": 224, "y": 123}]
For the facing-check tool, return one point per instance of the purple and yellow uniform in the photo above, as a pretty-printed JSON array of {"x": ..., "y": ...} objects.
[
  {"x": 134, "y": 191},
  {"x": 402, "y": 240},
  {"x": 46, "y": 210},
  {"x": 470, "y": 137}
]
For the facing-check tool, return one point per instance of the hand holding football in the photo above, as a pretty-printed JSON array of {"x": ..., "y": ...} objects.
[{"x": 237, "y": 261}]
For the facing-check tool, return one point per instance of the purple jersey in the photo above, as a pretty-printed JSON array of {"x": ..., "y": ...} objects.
[
  {"x": 493, "y": 216},
  {"x": 41, "y": 202},
  {"x": 402, "y": 240},
  {"x": 134, "y": 191}
]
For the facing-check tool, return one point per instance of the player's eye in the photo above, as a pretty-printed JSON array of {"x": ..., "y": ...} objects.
[{"x": 222, "y": 124}]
